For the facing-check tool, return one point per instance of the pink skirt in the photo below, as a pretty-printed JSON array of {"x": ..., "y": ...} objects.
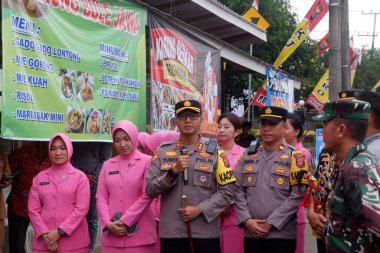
[
  {"x": 82, "y": 250},
  {"x": 139, "y": 249}
]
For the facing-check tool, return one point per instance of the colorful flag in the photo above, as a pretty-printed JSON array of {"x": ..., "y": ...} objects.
[
  {"x": 255, "y": 4},
  {"x": 355, "y": 63},
  {"x": 374, "y": 89},
  {"x": 320, "y": 94},
  {"x": 323, "y": 44},
  {"x": 252, "y": 15},
  {"x": 312, "y": 18},
  {"x": 352, "y": 50}
]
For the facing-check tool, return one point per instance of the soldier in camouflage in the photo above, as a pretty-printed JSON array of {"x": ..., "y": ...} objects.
[{"x": 353, "y": 209}]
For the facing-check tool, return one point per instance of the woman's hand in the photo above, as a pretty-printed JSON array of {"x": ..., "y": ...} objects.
[
  {"x": 51, "y": 237},
  {"x": 53, "y": 247},
  {"x": 117, "y": 228}
]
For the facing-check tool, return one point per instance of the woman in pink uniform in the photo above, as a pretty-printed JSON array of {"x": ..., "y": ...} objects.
[
  {"x": 127, "y": 221},
  {"x": 142, "y": 137},
  {"x": 232, "y": 237},
  {"x": 58, "y": 203},
  {"x": 293, "y": 136}
]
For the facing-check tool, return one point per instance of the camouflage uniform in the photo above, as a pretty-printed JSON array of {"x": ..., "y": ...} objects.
[{"x": 354, "y": 224}]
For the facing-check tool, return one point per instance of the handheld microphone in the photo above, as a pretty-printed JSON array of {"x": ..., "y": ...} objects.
[{"x": 183, "y": 151}]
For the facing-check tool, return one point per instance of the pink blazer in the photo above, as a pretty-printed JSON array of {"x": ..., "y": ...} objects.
[
  {"x": 233, "y": 157},
  {"x": 62, "y": 204},
  {"x": 121, "y": 188}
]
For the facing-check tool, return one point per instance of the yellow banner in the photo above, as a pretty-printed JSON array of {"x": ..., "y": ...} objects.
[
  {"x": 320, "y": 94},
  {"x": 299, "y": 35},
  {"x": 376, "y": 86},
  {"x": 252, "y": 15}
]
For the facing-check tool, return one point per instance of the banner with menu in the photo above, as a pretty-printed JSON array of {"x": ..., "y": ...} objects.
[
  {"x": 280, "y": 89},
  {"x": 182, "y": 67},
  {"x": 74, "y": 66}
]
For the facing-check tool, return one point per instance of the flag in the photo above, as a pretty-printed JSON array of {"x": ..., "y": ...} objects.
[
  {"x": 374, "y": 89},
  {"x": 252, "y": 15},
  {"x": 312, "y": 18},
  {"x": 352, "y": 50},
  {"x": 320, "y": 94},
  {"x": 355, "y": 63},
  {"x": 323, "y": 44},
  {"x": 255, "y": 4}
]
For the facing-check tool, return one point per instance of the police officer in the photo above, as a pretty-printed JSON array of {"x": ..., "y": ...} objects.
[
  {"x": 270, "y": 184},
  {"x": 353, "y": 204},
  {"x": 373, "y": 132},
  {"x": 192, "y": 167}
]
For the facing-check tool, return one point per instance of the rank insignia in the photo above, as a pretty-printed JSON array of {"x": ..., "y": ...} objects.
[
  {"x": 284, "y": 156},
  {"x": 200, "y": 146},
  {"x": 280, "y": 181},
  {"x": 166, "y": 166},
  {"x": 203, "y": 167},
  {"x": 204, "y": 154},
  {"x": 249, "y": 168},
  {"x": 300, "y": 159},
  {"x": 171, "y": 153},
  {"x": 155, "y": 155},
  {"x": 249, "y": 179},
  {"x": 280, "y": 170},
  {"x": 268, "y": 111},
  {"x": 203, "y": 178},
  {"x": 282, "y": 147},
  {"x": 177, "y": 144}
]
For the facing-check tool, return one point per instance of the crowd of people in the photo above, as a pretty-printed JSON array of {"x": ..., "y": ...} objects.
[{"x": 181, "y": 192}]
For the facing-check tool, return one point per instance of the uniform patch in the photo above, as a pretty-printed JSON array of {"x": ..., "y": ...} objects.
[
  {"x": 249, "y": 179},
  {"x": 113, "y": 172},
  {"x": 171, "y": 153},
  {"x": 282, "y": 147},
  {"x": 284, "y": 156},
  {"x": 44, "y": 183},
  {"x": 166, "y": 166},
  {"x": 280, "y": 170},
  {"x": 203, "y": 167},
  {"x": 200, "y": 146},
  {"x": 280, "y": 181},
  {"x": 204, "y": 154},
  {"x": 300, "y": 159},
  {"x": 249, "y": 168},
  {"x": 240, "y": 158},
  {"x": 224, "y": 175},
  {"x": 203, "y": 178}
]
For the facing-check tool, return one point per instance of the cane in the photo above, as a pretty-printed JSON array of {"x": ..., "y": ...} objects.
[{"x": 188, "y": 229}]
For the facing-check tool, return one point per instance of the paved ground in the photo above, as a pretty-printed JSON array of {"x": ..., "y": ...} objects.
[{"x": 310, "y": 242}]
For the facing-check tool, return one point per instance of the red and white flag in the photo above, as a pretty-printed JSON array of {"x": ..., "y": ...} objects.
[{"x": 255, "y": 4}]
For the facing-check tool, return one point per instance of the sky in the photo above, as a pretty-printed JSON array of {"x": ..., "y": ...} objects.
[{"x": 359, "y": 24}]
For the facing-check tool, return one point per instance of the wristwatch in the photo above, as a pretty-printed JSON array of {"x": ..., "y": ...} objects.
[
  {"x": 61, "y": 232},
  {"x": 171, "y": 173}
]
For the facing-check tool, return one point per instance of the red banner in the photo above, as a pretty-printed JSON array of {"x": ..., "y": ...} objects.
[
  {"x": 323, "y": 44},
  {"x": 316, "y": 13}
]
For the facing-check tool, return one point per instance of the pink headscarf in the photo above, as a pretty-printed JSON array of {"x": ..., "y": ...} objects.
[
  {"x": 69, "y": 148},
  {"x": 131, "y": 130},
  {"x": 142, "y": 136},
  {"x": 156, "y": 139}
]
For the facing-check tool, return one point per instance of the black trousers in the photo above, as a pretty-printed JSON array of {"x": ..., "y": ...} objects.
[
  {"x": 321, "y": 246},
  {"x": 269, "y": 245},
  {"x": 17, "y": 227},
  {"x": 181, "y": 245}
]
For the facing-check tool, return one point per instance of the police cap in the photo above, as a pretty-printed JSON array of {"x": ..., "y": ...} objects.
[
  {"x": 273, "y": 114},
  {"x": 192, "y": 105}
]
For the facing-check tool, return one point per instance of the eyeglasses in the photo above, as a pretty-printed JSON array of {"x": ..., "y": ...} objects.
[{"x": 183, "y": 116}]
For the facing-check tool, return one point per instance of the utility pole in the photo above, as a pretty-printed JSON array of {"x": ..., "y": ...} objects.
[
  {"x": 346, "y": 74},
  {"x": 335, "y": 60},
  {"x": 374, "y": 34}
]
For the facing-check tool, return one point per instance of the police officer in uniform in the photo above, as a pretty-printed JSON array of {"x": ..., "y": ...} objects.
[
  {"x": 353, "y": 204},
  {"x": 270, "y": 183},
  {"x": 372, "y": 139},
  {"x": 192, "y": 167}
]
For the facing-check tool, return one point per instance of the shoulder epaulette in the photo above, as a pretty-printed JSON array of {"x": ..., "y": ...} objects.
[{"x": 168, "y": 143}]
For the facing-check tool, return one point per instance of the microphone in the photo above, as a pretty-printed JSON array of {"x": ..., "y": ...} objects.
[{"x": 183, "y": 151}]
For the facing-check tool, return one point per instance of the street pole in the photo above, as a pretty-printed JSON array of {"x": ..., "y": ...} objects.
[
  {"x": 346, "y": 74},
  {"x": 249, "y": 85},
  {"x": 335, "y": 60}
]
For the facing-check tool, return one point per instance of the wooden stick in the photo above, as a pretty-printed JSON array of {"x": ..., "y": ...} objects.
[{"x": 188, "y": 229}]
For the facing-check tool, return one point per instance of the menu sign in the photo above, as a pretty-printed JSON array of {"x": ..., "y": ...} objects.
[{"x": 74, "y": 66}]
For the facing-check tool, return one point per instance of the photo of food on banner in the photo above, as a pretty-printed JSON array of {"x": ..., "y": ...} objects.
[
  {"x": 85, "y": 86},
  {"x": 108, "y": 121},
  {"x": 33, "y": 8},
  {"x": 156, "y": 104},
  {"x": 94, "y": 121},
  {"x": 75, "y": 120},
  {"x": 66, "y": 81}
]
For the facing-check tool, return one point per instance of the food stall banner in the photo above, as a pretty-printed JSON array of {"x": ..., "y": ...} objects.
[
  {"x": 75, "y": 66},
  {"x": 182, "y": 67},
  {"x": 280, "y": 89}
]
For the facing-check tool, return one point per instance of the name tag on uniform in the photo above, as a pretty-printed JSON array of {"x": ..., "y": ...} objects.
[
  {"x": 114, "y": 172},
  {"x": 44, "y": 183}
]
